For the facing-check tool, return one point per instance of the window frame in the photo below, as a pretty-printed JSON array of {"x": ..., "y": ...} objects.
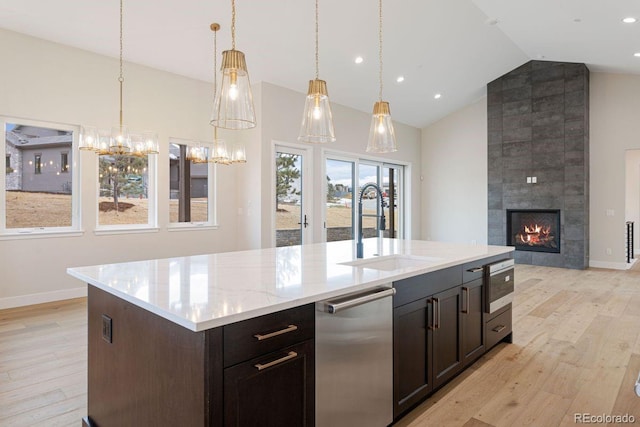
[
  {"x": 152, "y": 203},
  {"x": 35, "y": 232},
  {"x": 212, "y": 192}
]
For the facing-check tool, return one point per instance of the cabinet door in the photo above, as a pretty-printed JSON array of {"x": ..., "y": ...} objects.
[
  {"x": 411, "y": 343},
  {"x": 472, "y": 324},
  {"x": 272, "y": 391},
  {"x": 446, "y": 348}
]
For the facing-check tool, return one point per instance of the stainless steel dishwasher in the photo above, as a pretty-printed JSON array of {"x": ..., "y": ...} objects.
[{"x": 354, "y": 359}]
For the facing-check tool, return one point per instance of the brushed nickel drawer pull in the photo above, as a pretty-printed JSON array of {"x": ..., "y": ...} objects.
[
  {"x": 289, "y": 328},
  {"x": 475, "y": 270},
  {"x": 499, "y": 328},
  {"x": 289, "y": 356}
]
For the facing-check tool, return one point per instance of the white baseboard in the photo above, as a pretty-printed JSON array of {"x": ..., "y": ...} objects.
[
  {"x": 610, "y": 265},
  {"x": 31, "y": 299}
]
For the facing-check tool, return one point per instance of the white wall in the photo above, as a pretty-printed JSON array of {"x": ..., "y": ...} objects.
[
  {"x": 615, "y": 108},
  {"x": 632, "y": 193},
  {"x": 281, "y": 115},
  {"x": 454, "y": 167},
  {"x": 51, "y": 82}
]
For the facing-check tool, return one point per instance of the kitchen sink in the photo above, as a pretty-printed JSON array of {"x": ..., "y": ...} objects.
[{"x": 393, "y": 262}]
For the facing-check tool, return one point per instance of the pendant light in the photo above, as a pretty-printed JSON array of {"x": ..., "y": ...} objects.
[
  {"x": 317, "y": 122},
  {"x": 233, "y": 105},
  {"x": 120, "y": 140},
  {"x": 382, "y": 137},
  {"x": 219, "y": 153}
]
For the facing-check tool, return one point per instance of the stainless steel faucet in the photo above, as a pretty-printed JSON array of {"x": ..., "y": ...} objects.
[{"x": 381, "y": 224}]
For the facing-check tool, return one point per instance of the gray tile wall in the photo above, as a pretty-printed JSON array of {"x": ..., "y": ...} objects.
[{"x": 538, "y": 125}]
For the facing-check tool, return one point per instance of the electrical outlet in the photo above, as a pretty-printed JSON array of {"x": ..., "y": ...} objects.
[
  {"x": 608, "y": 251},
  {"x": 528, "y": 180},
  {"x": 610, "y": 212},
  {"x": 534, "y": 179},
  {"x": 107, "y": 329}
]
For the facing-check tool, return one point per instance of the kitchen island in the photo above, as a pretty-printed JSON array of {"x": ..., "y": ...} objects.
[{"x": 167, "y": 337}]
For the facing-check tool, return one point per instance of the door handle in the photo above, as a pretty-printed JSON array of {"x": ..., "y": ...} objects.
[
  {"x": 431, "y": 325},
  {"x": 465, "y": 299},
  {"x": 305, "y": 223},
  {"x": 333, "y": 308},
  {"x": 435, "y": 314}
]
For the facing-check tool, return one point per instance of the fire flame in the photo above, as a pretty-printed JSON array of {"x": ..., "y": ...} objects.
[{"x": 535, "y": 234}]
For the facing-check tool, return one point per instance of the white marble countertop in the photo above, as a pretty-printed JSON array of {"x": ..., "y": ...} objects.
[{"x": 205, "y": 291}]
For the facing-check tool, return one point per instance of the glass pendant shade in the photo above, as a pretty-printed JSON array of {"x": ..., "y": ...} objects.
[
  {"x": 137, "y": 145},
  {"x": 317, "y": 122},
  {"x": 233, "y": 105},
  {"x": 104, "y": 141},
  {"x": 219, "y": 153},
  {"x": 238, "y": 154},
  {"x": 88, "y": 138},
  {"x": 151, "y": 145},
  {"x": 382, "y": 137},
  {"x": 120, "y": 140},
  {"x": 197, "y": 154}
]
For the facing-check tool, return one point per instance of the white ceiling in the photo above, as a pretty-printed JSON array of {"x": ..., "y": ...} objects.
[{"x": 439, "y": 46}]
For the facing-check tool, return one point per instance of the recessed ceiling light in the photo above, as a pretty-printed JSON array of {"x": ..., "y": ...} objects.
[
  {"x": 629, "y": 20},
  {"x": 437, "y": 96},
  {"x": 359, "y": 59},
  {"x": 400, "y": 79},
  {"x": 637, "y": 54},
  {"x": 577, "y": 20}
]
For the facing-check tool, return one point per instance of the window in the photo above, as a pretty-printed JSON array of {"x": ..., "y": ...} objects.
[
  {"x": 64, "y": 162},
  {"x": 190, "y": 186},
  {"x": 36, "y": 196},
  {"x": 345, "y": 179},
  {"x": 126, "y": 191},
  {"x": 37, "y": 161}
]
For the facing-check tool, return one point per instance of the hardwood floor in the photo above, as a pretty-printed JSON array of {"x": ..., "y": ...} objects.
[
  {"x": 43, "y": 364},
  {"x": 576, "y": 350}
]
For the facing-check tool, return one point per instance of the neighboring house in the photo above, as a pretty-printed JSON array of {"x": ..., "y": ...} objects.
[
  {"x": 199, "y": 175},
  {"x": 39, "y": 159}
]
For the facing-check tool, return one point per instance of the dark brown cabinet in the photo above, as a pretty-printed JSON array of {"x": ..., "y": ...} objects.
[
  {"x": 473, "y": 339},
  {"x": 272, "y": 391},
  {"x": 426, "y": 335},
  {"x": 259, "y": 371},
  {"x": 270, "y": 370},
  {"x": 446, "y": 353},
  {"x": 411, "y": 356}
]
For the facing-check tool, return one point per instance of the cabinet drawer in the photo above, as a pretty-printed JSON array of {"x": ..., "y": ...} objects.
[
  {"x": 261, "y": 335},
  {"x": 498, "y": 328}
]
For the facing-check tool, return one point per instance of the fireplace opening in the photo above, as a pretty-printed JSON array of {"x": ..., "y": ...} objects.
[{"x": 534, "y": 230}]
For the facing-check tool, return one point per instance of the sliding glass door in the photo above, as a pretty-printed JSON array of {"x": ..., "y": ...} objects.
[{"x": 346, "y": 177}]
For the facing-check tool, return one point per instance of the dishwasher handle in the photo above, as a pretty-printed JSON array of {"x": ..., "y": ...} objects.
[{"x": 333, "y": 308}]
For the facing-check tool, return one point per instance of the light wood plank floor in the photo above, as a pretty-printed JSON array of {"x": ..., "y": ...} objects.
[{"x": 576, "y": 350}]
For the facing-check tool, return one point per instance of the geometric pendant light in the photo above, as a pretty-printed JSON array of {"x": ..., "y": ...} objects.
[
  {"x": 317, "y": 122},
  {"x": 382, "y": 138},
  {"x": 233, "y": 105}
]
